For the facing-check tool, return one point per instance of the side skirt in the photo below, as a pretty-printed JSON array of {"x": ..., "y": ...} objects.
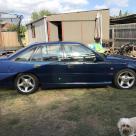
[{"x": 69, "y": 85}]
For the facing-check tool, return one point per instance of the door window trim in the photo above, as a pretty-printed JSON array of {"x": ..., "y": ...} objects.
[{"x": 37, "y": 48}]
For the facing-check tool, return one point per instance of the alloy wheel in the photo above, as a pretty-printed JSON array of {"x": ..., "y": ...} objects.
[
  {"x": 126, "y": 79},
  {"x": 26, "y": 83}
]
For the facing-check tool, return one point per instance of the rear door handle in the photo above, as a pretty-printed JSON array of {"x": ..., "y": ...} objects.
[{"x": 37, "y": 66}]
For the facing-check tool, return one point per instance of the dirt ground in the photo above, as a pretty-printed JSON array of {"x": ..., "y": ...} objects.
[{"x": 65, "y": 112}]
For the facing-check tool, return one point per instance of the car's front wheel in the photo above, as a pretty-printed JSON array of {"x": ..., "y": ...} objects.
[
  {"x": 26, "y": 83},
  {"x": 125, "y": 79}
]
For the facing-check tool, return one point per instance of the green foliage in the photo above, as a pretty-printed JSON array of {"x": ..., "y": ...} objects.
[
  {"x": 13, "y": 28},
  {"x": 21, "y": 31},
  {"x": 36, "y": 15},
  {"x": 44, "y": 13}
]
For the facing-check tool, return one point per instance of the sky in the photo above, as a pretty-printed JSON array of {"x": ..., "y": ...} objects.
[{"x": 26, "y": 7}]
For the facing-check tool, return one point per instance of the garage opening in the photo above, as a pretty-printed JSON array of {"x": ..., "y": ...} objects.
[{"x": 56, "y": 31}]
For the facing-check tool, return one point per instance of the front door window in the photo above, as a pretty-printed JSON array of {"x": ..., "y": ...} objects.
[
  {"x": 78, "y": 52},
  {"x": 52, "y": 52}
]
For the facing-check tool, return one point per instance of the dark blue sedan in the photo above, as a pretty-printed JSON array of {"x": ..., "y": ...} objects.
[{"x": 64, "y": 64}]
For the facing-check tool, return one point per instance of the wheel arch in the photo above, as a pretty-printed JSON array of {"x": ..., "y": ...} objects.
[
  {"x": 126, "y": 68},
  {"x": 132, "y": 68}
]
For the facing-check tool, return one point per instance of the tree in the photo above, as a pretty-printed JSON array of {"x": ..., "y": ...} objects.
[
  {"x": 36, "y": 15},
  {"x": 21, "y": 30},
  {"x": 44, "y": 13}
]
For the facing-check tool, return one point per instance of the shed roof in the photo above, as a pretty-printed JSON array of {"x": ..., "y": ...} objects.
[
  {"x": 77, "y": 16},
  {"x": 36, "y": 20},
  {"x": 123, "y": 20},
  {"x": 82, "y": 15}
]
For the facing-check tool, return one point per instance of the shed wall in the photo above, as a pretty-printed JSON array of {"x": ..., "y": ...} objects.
[
  {"x": 82, "y": 31},
  {"x": 40, "y": 33},
  {"x": 80, "y": 26},
  {"x": 72, "y": 31}
]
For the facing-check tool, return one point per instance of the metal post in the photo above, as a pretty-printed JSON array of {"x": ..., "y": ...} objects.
[{"x": 113, "y": 39}]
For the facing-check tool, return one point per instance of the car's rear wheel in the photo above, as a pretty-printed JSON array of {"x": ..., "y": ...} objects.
[
  {"x": 125, "y": 79},
  {"x": 26, "y": 83}
]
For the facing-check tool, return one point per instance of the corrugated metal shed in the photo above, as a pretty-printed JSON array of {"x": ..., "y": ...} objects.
[
  {"x": 75, "y": 26},
  {"x": 37, "y": 31}
]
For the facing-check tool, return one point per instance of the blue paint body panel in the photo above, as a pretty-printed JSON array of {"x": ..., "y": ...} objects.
[{"x": 59, "y": 74}]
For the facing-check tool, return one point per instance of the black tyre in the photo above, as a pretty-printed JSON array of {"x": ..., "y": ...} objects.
[
  {"x": 125, "y": 79},
  {"x": 26, "y": 83}
]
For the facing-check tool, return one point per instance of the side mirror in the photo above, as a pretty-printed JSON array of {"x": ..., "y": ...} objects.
[{"x": 99, "y": 58}]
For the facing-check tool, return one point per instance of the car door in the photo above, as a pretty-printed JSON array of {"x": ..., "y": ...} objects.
[
  {"x": 51, "y": 69},
  {"x": 44, "y": 61},
  {"x": 82, "y": 66}
]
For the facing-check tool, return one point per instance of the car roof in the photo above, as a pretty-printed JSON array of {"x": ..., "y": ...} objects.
[{"x": 55, "y": 42}]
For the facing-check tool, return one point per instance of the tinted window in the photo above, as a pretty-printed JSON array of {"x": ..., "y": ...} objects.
[
  {"x": 52, "y": 52},
  {"x": 25, "y": 56}
]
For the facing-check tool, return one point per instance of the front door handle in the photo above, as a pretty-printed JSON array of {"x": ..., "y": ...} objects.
[{"x": 70, "y": 66}]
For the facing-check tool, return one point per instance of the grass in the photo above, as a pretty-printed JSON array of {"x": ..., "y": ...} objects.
[{"x": 65, "y": 112}]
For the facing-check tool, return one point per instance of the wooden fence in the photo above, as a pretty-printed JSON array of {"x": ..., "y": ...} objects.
[
  {"x": 9, "y": 40},
  {"x": 122, "y": 33}
]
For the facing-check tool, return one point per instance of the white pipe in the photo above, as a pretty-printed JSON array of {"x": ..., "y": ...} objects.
[
  {"x": 46, "y": 29},
  {"x": 98, "y": 24},
  {"x": 101, "y": 28}
]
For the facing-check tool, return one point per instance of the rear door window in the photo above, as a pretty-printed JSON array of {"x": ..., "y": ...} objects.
[
  {"x": 25, "y": 56},
  {"x": 37, "y": 56}
]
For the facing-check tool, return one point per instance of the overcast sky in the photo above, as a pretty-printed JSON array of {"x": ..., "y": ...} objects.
[{"x": 26, "y": 7}]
